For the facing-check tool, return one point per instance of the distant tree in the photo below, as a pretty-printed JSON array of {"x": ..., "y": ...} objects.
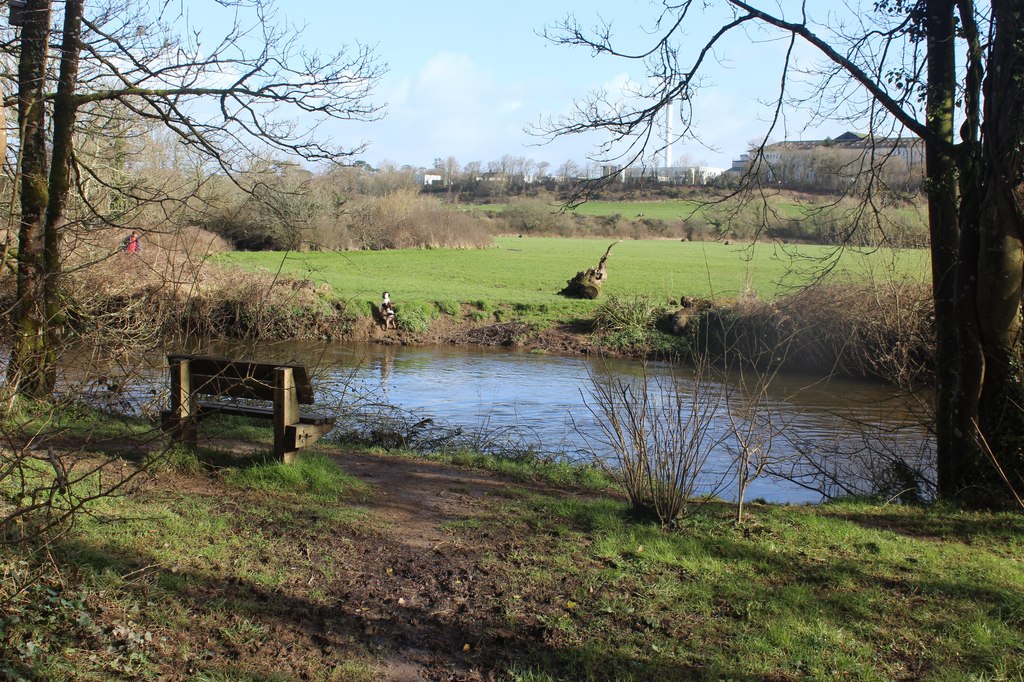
[
  {"x": 450, "y": 166},
  {"x": 390, "y": 177},
  {"x": 948, "y": 71},
  {"x": 568, "y": 170}
]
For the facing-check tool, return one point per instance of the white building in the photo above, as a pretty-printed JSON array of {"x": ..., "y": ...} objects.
[{"x": 677, "y": 175}]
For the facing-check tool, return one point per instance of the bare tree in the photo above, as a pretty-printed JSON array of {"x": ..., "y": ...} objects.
[
  {"x": 228, "y": 101},
  {"x": 472, "y": 170},
  {"x": 451, "y": 168},
  {"x": 903, "y": 66},
  {"x": 568, "y": 171}
]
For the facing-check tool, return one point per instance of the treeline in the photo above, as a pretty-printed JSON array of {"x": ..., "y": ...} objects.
[
  {"x": 147, "y": 179},
  {"x": 359, "y": 207}
]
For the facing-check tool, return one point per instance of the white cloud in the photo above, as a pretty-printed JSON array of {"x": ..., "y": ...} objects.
[
  {"x": 451, "y": 106},
  {"x": 510, "y": 106}
]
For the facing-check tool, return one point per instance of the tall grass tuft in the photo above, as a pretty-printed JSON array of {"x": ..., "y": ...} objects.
[
  {"x": 449, "y": 307},
  {"x": 415, "y": 317},
  {"x": 626, "y": 314},
  {"x": 313, "y": 474}
]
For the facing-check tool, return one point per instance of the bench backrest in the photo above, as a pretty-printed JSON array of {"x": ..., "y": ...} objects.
[{"x": 241, "y": 378}]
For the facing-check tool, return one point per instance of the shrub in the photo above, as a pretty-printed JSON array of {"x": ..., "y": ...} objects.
[
  {"x": 661, "y": 436},
  {"x": 880, "y": 330},
  {"x": 534, "y": 216},
  {"x": 405, "y": 219}
]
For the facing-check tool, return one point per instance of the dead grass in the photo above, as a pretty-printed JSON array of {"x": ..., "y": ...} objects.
[{"x": 880, "y": 331}]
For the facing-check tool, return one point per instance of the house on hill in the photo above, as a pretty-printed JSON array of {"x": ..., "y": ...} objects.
[{"x": 835, "y": 163}]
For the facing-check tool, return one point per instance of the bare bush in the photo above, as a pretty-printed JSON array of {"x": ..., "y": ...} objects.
[
  {"x": 535, "y": 216},
  {"x": 659, "y": 436},
  {"x": 172, "y": 289},
  {"x": 755, "y": 424},
  {"x": 872, "y": 464},
  {"x": 405, "y": 219},
  {"x": 882, "y": 329}
]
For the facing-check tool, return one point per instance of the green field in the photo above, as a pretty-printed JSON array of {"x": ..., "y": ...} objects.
[
  {"x": 528, "y": 272},
  {"x": 669, "y": 210}
]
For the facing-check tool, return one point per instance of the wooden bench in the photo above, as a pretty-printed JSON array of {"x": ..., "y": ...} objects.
[{"x": 286, "y": 385}]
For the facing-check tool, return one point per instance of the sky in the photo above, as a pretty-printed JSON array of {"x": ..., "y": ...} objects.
[{"x": 466, "y": 77}]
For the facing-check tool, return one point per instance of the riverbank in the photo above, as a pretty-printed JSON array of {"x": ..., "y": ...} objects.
[
  {"x": 361, "y": 565},
  {"x": 663, "y": 299}
]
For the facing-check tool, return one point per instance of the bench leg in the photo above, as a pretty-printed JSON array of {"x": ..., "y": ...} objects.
[
  {"x": 286, "y": 413},
  {"x": 303, "y": 435},
  {"x": 181, "y": 421}
]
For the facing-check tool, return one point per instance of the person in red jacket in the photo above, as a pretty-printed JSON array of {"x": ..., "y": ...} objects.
[{"x": 131, "y": 242}]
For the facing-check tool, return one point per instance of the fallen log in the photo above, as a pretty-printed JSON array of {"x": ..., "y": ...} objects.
[{"x": 587, "y": 283}]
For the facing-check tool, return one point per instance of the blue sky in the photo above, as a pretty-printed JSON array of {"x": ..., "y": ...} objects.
[{"x": 465, "y": 78}]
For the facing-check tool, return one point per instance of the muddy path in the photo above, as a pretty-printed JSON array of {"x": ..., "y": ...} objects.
[{"x": 419, "y": 582}]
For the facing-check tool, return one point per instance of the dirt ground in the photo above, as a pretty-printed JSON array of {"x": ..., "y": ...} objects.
[
  {"x": 419, "y": 583},
  {"x": 562, "y": 339},
  {"x": 446, "y": 589}
]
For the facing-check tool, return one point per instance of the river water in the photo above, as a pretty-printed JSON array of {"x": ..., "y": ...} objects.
[{"x": 539, "y": 402}]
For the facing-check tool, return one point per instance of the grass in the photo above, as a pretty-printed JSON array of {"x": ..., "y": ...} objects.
[
  {"x": 811, "y": 593},
  {"x": 525, "y": 274},
  {"x": 70, "y": 419},
  {"x": 141, "y": 569},
  {"x": 527, "y": 469},
  {"x": 313, "y": 476},
  {"x": 258, "y": 571}
]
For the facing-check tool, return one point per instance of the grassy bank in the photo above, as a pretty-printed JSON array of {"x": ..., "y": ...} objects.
[
  {"x": 359, "y": 565},
  {"x": 525, "y": 274}
]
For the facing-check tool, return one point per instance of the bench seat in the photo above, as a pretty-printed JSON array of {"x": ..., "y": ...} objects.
[
  {"x": 285, "y": 385},
  {"x": 208, "y": 407}
]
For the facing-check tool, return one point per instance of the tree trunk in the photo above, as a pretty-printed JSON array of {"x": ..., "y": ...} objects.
[
  {"x": 1001, "y": 250},
  {"x": 64, "y": 112},
  {"x": 954, "y": 401},
  {"x": 30, "y": 371},
  {"x": 44, "y": 195}
]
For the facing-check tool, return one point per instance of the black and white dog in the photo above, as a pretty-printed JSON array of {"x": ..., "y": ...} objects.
[{"x": 387, "y": 312}]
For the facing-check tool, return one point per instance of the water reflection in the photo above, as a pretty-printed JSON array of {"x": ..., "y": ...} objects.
[{"x": 543, "y": 399}]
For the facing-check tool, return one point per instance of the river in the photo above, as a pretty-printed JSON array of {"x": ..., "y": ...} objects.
[{"x": 519, "y": 401}]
